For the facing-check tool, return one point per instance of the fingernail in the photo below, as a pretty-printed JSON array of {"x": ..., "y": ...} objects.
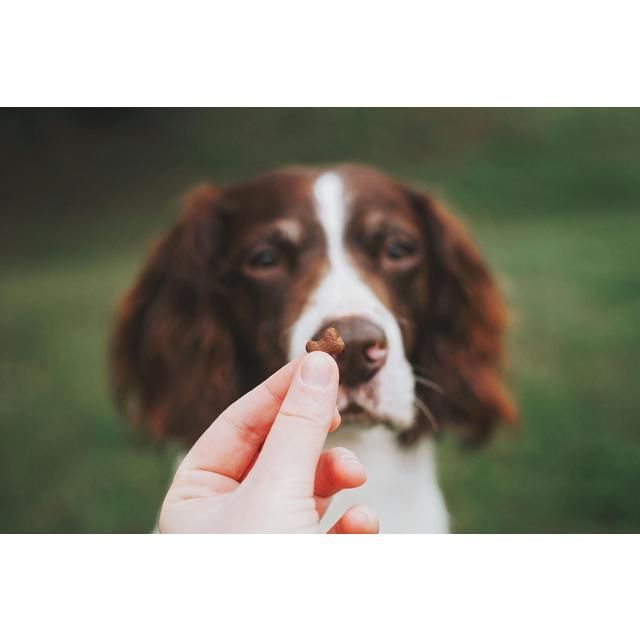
[
  {"x": 354, "y": 464},
  {"x": 349, "y": 456},
  {"x": 356, "y": 470},
  {"x": 366, "y": 518},
  {"x": 316, "y": 370}
]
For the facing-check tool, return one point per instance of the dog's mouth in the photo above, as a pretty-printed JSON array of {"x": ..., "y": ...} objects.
[
  {"x": 354, "y": 414},
  {"x": 357, "y": 407}
]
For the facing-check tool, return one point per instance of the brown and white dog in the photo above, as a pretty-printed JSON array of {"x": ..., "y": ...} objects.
[{"x": 252, "y": 271}]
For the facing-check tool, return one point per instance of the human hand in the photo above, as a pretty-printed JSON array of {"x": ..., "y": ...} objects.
[{"x": 260, "y": 468}]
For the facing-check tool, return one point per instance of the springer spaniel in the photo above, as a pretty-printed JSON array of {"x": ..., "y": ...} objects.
[{"x": 252, "y": 271}]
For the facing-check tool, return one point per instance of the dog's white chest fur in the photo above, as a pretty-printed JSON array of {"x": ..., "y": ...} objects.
[{"x": 402, "y": 485}]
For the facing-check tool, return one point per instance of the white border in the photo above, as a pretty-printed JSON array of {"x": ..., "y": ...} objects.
[
  {"x": 308, "y": 587},
  {"x": 334, "y": 53}
]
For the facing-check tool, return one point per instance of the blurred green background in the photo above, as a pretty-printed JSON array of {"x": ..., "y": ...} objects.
[{"x": 552, "y": 197}]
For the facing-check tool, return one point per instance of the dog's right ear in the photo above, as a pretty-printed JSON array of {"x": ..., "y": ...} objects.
[
  {"x": 172, "y": 350},
  {"x": 461, "y": 341}
]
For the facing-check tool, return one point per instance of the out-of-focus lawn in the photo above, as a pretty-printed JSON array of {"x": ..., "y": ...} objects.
[{"x": 553, "y": 198}]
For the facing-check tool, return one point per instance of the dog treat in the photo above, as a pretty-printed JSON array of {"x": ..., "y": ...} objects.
[{"x": 330, "y": 342}]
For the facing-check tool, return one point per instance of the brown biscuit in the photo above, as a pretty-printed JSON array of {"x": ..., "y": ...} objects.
[{"x": 330, "y": 342}]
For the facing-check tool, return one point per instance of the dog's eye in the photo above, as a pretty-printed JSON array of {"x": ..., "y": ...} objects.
[
  {"x": 264, "y": 262},
  {"x": 398, "y": 249},
  {"x": 265, "y": 259}
]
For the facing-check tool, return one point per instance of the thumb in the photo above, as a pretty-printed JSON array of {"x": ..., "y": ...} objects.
[{"x": 293, "y": 446}]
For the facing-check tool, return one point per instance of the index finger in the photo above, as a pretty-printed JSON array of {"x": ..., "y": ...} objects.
[{"x": 230, "y": 444}]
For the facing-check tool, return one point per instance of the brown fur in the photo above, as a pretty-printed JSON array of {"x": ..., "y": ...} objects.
[
  {"x": 460, "y": 345},
  {"x": 172, "y": 352}
]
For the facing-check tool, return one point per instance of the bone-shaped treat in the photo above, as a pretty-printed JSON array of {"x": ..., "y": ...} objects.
[{"x": 330, "y": 342}]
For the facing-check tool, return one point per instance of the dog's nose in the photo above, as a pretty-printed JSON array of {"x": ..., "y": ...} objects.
[{"x": 365, "y": 350}]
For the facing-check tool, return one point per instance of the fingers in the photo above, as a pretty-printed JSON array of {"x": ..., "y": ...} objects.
[
  {"x": 357, "y": 519},
  {"x": 338, "y": 469},
  {"x": 292, "y": 448},
  {"x": 230, "y": 444}
]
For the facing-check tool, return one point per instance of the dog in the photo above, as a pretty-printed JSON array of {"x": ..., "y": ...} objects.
[{"x": 252, "y": 271}]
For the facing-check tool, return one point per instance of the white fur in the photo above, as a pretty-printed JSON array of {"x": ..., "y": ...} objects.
[
  {"x": 402, "y": 485},
  {"x": 343, "y": 293}
]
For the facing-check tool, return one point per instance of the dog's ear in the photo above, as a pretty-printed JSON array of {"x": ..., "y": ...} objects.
[
  {"x": 460, "y": 341},
  {"x": 172, "y": 351}
]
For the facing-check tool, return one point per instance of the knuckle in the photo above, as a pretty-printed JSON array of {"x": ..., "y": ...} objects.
[{"x": 309, "y": 418}]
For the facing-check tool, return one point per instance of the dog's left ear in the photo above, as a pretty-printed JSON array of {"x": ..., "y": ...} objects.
[{"x": 460, "y": 341}]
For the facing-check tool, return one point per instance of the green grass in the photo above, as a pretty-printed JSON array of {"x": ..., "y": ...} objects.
[
  {"x": 552, "y": 196},
  {"x": 574, "y": 463}
]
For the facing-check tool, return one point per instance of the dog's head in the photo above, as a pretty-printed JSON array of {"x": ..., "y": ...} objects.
[{"x": 251, "y": 272}]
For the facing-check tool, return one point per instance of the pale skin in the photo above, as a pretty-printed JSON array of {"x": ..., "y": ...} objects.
[{"x": 260, "y": 468}]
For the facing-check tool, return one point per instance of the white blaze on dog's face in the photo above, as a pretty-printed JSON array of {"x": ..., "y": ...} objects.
[{"x": 342, "y": 295}]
